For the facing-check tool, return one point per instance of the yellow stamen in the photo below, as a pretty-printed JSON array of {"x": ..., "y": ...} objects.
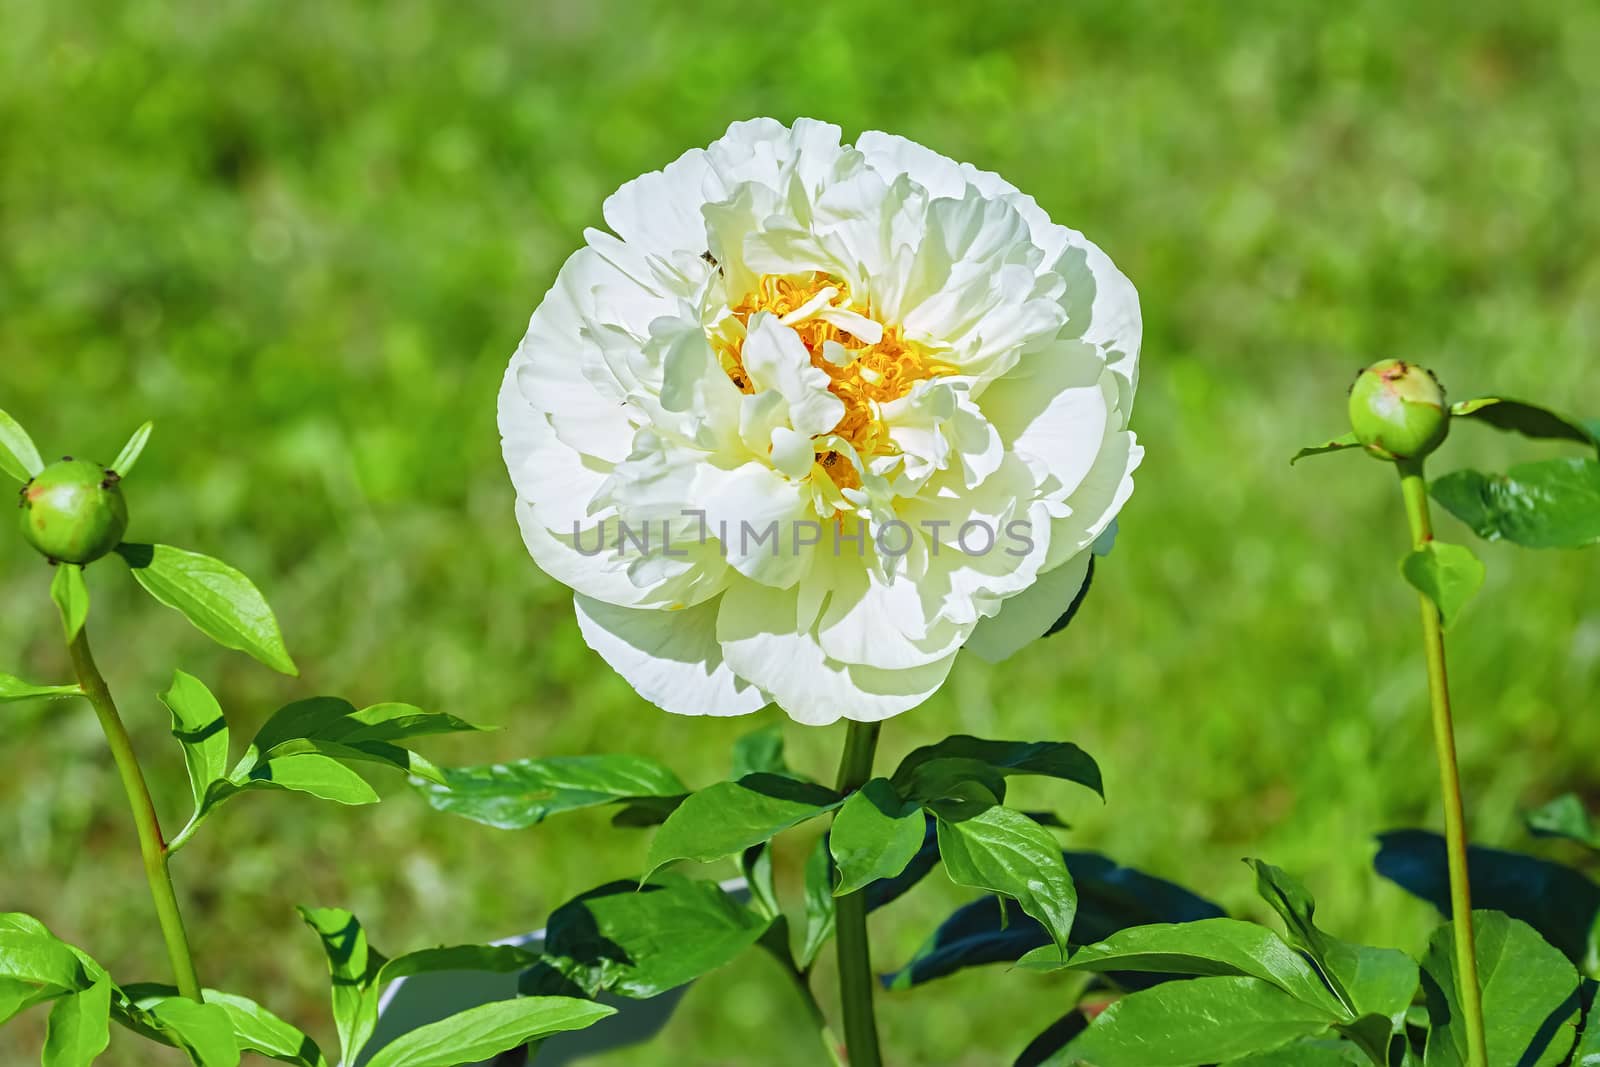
[{"x": 872, "y": 375}]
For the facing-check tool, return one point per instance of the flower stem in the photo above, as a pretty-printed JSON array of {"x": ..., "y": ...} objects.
[
  {"x": 855, "y": 953},
  {"x": 1414, "y": 487},
  {"x": 151, "y": 847}
]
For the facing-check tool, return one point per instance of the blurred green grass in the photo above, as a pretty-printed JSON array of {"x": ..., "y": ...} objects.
[{"x": 304, "y": 238}]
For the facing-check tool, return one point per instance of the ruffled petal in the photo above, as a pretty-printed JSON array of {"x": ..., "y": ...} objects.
[{"x": 671, "y": 657}]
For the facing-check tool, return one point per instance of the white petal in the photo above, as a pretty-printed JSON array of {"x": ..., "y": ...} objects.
[
  {"x": 777, "y": 359},
  {"x": 671, "y": 657},
  {"x": 761, "y": 641},
  {"x": 1027, "y": 616},
  {"x": 1055, "y": 407},
  {"x": 1094, "y": 505}
]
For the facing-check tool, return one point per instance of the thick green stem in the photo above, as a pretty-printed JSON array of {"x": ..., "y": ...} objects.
[
  {"x": 1415, "y": 489},
  {"x": 151, "y": 848},
  {"x": 856, "y": 979}
]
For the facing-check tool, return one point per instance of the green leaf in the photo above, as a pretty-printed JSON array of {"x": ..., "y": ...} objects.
[
  {"x": 1587, "y": 1054},
  {"x": 204, "y": 1031},
  {"x": 14, "y": 688},
  {"x": 821, "y": 916},
  {"x": 487, "y": 1030},
  {"x": 875, "y": 835},
  {"x": 18, "y": 456},
  {"x": 492, "y": 959},
  {"x": 129, "y": 455},
  {"x": 1565, "y": 816},
  {"x": 1530, "y": 995},
  {"x": 1554, "y": 503},
  {"x": 80, "y": 1026},
  {"x": 728, "y": 817},
  {"x": 39, "y": 960},
  {"x": 1337, "y": 444},
  {"x": 755, "y": 863},
  {"x": 71, "y": 595},
  {"x": 640, "y": 941},
  {"x": 354, "y": 968},
  {"x": 1530, "y": 420},
  {"x": 1206, "y": 948},
  {"x": 1307, "y": 1052},
  {"x": 760, "y": 750},
  {"x": 222, "y": 603},
  {"x": 199, "y": 726},
  {"x": 1195, "y": 1022},
  {"x": 512, "y": 796},
  {"x": 1006, "y": 852},
  {"x": 255, "y": 1029},
  {"x": 307, "y": 772},
  {"x": 1446, "y": 574},
  {"x": 1050, "y": 759}
]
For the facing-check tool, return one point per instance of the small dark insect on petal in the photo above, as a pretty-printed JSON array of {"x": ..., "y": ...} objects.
[
  {"x": 66, "y": 459},
  {"x": 709, "y": 258}
]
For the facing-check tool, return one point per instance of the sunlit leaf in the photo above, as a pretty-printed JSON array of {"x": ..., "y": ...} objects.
[
  {"x": 71, "y": 594},
  {"x": 18, "y": 456},
  {"x": 14, "y": 688},
  {"x": 728, "y": 817},
  {"x": 1530, "y": 420},
  {"x": 485, "y": 1031},
  {"x": 353, "y": 967},
  {"x": 1006, "y": 852},
  {"x": 1554, "y": 503},
  {"x": 199, "y": 726},
  {"x": 79, "y": 1028},
  {"x": 129, "y": 455},
  {"x": 1449, "y": 575},
  {"x": 515, "y": 795},
  {"x": 1337, "y": 444},
  {"x": 875, "y": 835}
]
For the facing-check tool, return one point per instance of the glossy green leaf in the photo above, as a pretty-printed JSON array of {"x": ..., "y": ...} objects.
[
  {"x": 1006, "y": 852},
  {"x": 640, "y": 941},
  {"x": 728, "y": 817},
  {"x": 14, "y": 688},
  {"x": 1051, "y": 759},
  {"x": 755, "y": 863},
  {"x": 1530, "y": 420},
  {"x": 512, "y": 796},
  {"x": 204, "y": 1031},
  {"x": 71, "y": 594},
  {"x": 1207, "y": 948},
  {"x": 79, "y": 1028},
  {"x": 129, "y": 455},
  {"x": 820, "y": 912},
  {"x": 1195, "y": 1022},
  {"x": 1554, "y": 503},
  {"x": 36, "y": 958},
  {"x": 353, "y": 967},
  {"x": 202, "y": 730},
  {"x": 1307, "y": 1052},
  {"x": 1565, "y": 816},
  {"x": 1337, "y": 444},
  {"x": 1449, "y": 575},
  {"x": 1587, "y": 1054},
  {"x": 18, "y": 456},
  {"x": 222, "y": 603},
  {"x": 483, "y": 1032},
  {"x": 309, "y": 772},
  {"x": 491, "y": 959},
  {"x": 760, "y": 750},
  {"x": 1530, "y": 995},
  {"x": 875, "y": 835},
  {"x": 255, "y": 1029}
]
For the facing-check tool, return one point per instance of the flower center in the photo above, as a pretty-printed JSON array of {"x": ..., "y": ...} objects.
[{"x": 868, "y": 364}]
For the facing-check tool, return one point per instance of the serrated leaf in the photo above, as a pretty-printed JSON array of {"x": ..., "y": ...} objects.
[
  {"x": 202, "y": 730},
  {"x": 515, "y": 795},
  {"x": 1337, "y": 444},
  {"x": 1565, "y": 816},
  {"x": 1553, "y": 503},
  {"x": 1530, "y": 995},
  {"x": 129, "y": 455},
  {"x": 353, "y": 967},
  {"x": 728, "y": 817},
  {"x": 821, "y": 914},
  {"x": 255, "y": 1029},
  {"x": 1206, "y": 948},
  {"x": 1449, "y": 575},
  {"x": 875, "y": 835},
  {"x": 639, "y": 941},
  {"x": 1530, "y": 420},
  {"x": 71, "y": 594},
  {"x": 1195, "y": 1022},
  {"x": 79, "y": 1028},
  {"x": 485, "y": 1031},
  {"x": 14, "y": 688},
  {"x": 1006, "y": 852},
  {"x": 221, "y": 603},
  {"x": 18, "y": 456}
]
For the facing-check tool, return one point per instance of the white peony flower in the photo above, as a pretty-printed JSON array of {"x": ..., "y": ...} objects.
[{"x": 817, "y": 417}]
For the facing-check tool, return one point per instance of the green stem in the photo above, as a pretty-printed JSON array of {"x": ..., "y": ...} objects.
[
  {"x": 855, "y": 952},
  {"x": 151, "y": 848},
  {"x": 776, "y": 942},
  {"x": 1415, "y": 489}
]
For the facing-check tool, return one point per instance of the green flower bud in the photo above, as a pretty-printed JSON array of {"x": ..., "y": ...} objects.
[
  {"x": 1398, "y": 410},
  {"x": 73, "y": 511}
]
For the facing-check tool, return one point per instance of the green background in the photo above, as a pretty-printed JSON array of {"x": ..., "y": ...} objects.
[{"x": 305, "y": 238}]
